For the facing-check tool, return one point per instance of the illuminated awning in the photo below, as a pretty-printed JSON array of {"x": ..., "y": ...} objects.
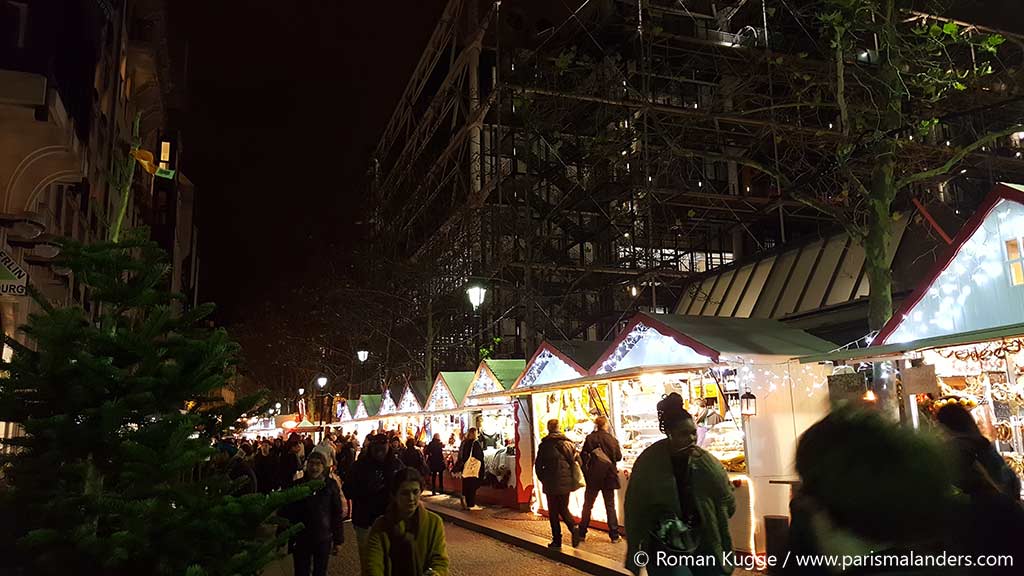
[{"x": 626, "y": 374}]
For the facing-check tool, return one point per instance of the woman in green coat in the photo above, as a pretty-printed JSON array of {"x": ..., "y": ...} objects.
[
  {"x": 408, "y": 540},
  {"x": 679, "y": 502}
]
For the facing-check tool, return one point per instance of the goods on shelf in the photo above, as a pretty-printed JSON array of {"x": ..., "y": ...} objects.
[{"x": 725, "y": 442}]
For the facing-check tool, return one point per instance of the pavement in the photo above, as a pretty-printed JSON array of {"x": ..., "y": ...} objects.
[
  {"x": 470, "y": 553},
  {"x": 532, "y": 532}
]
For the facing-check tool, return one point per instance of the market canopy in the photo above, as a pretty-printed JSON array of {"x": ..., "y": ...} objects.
[
  {"x": 891, "y": 351},
  {"x": 369, "y": 406},
  {"x": 449, "y": 391},
  {"x": 413, "y": 397},
  {"x": 978, "y": 284},
  {"x": 493, "y": 376},
  {"x": 558, "y": 360},
  {"x": 652, "y": 340},
  {"x": 388, "y": 404}
]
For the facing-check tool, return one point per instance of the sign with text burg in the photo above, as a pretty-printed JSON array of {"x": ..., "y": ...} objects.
[{"x": 13, "y": 280}]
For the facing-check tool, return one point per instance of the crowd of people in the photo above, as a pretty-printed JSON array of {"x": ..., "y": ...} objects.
[
  {"x": 376, "y": 485},
  {"x": 868, "y": 485}
]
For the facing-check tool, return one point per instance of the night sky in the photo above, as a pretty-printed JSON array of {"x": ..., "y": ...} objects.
[{"x": 287, "y": 101}]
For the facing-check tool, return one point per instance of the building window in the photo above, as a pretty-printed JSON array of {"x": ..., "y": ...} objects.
[{"x": 1015, "y": 260}]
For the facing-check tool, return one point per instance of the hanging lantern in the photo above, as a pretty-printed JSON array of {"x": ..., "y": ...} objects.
[{"x": 748, "y": 404}]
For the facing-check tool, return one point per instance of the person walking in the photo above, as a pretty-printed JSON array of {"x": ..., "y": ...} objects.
[
  {"x": 368, "y": 487},
  {"x": 435, "y": 460},
  {"x": 556, "y": 458},
  {"x": 290, "y": 463},
  {"x": 321, "y": 519},
  {"x": 471, "y": 466},
  {"x": 413, "y": 458},
  {"x": 266, "y": 465},
  {"x": 408, "y": 540},
  {"x": 601, "y": 451},
  {"x": 990, "y": 519},
  {"x": 679, "y": 499}
]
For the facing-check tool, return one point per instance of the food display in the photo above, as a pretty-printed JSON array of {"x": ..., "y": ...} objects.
[
  {"x": 725, "y": 442},
  {"x": 574, "y": 408}
]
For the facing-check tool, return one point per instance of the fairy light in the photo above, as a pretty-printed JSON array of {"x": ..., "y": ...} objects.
[
  {"x": 361, "y": 411},
  {"x": 977, "y": 272},
  {"x": 387, "y": 406},
  {"x": 440, "y": 397},
  {"x": 408, "y": 402}
]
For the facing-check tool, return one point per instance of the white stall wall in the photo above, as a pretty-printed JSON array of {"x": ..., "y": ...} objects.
[{"x": 790, "y": 398}]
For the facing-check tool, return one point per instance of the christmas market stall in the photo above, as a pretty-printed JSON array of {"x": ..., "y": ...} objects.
[
  {"x": 735, "y": 375},
  {"x": 346, "y": 415},
  {"x": 959, "y": 336},
  {"x": 444, "y": 408},
  {"x": 554, "y": 361},
  {"x": 366, "y": 418},
  {"x": 491, "y": 413}
]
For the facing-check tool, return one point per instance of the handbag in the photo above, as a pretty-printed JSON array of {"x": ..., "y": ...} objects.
[
  {"x": 578, "y": 481},
  {"x": 472, "y": 468}
]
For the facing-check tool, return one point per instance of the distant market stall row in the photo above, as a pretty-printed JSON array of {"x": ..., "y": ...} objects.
[{"x": 959, "y": 337}]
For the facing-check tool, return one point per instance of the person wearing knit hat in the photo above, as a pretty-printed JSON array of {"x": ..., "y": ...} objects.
[{"x": 321, "y": 517}]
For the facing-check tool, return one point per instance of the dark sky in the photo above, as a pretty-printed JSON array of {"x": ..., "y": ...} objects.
[{"x": 287, "y": 100}]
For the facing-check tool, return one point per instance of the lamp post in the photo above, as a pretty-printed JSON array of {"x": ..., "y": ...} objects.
[
  {"x": 476, "y": 294},
  {"x": 321, "y": 382}
]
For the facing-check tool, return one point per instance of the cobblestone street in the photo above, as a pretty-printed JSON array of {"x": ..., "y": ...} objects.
[{"x": 471, "y": 554}]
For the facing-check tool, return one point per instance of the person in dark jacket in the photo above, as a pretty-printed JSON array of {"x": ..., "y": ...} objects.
[
  {"x": 321, "y": 518},
  {"x": 290, "y": 463},
  {"x": 600, "y": 453},
  {"x": 435, "y": 460},
  {"x": 980, "y": 468},
  {"x": 555, "y": 458},
  {"x": 413, "y": 458},
  {"x": 470, "y": 448},
  {"x": 265, "y": 465},
  {"x": 990, "y": 519},
  {"x": 368, "y": 486}
]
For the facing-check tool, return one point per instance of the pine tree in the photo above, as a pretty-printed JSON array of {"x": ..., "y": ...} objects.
[{"x": 112, "y": 476}]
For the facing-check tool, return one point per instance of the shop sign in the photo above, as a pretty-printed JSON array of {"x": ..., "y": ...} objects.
[
  {"x": 849, "y": 387},
  {"x": 920, "y": 380},
  {"x": 13, "y": 280}
]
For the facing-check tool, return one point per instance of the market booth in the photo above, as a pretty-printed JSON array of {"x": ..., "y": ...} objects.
[
  {"x": 393, "y": 419},
  {"x": 723, "y": 361},
  {"x": 554, "y": 361},
  {"x": 444, "y": 414},
  {"x": 366, "y": 419},
  {"x": 346, "y": 416},
  {"x": 491, "y": 413},
  {"x": 959, "y": 336}
]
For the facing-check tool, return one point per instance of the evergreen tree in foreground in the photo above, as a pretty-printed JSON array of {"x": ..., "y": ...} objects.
[{"x": 112, "y": 476}]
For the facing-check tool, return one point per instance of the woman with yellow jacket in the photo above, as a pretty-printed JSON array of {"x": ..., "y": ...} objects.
[{"x": 408, "y": 540}]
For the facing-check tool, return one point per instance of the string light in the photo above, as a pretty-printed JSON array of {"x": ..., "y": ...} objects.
[{"x": 973, "y": 274}]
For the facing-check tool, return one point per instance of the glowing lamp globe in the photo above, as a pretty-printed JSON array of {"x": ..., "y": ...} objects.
[
  {"x": 321, "y": 381},
  {"x": 476, "y": 295},
  {"x": 301, "y": 391},
  {"x": 362, "y": 355}
]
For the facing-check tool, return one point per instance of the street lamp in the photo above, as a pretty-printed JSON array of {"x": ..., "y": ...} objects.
[
  {"x": 321, "y": 382},
  {"x": 476, "y": 295},
  {"x": 278, "y": 405},
  {"x": 363, "y": 355},
  {"x": 301, "y": 391}
]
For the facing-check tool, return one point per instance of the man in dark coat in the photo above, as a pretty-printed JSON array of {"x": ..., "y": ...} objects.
[
  {"x": 265, "y": 465},
  {"x": 321, "y": 518},
  {"x": 600, "y": 453},
  {"x": 368, "y": 486},
  {"x": 555, "y": 458},
  {"x": 435, "y": 460}
]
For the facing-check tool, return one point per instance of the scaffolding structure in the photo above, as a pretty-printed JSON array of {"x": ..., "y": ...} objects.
[{"x": 582, "y": 160}]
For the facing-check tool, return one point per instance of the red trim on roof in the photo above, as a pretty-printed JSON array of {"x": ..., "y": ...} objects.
[
  {"x": 1000, "y": 192},
  {"x": 545, "y": 345},
  {"x": 642, "y": 318}
]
